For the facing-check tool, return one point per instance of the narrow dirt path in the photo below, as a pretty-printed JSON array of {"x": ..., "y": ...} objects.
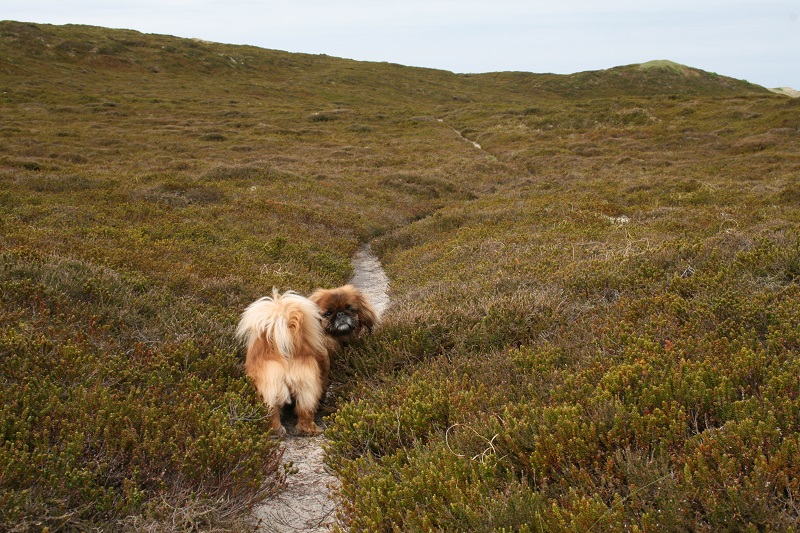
[
  {"x": 370, "y": 278},
  {"x": 473, "y": 143},
  {"x": 307, "y": 505}
]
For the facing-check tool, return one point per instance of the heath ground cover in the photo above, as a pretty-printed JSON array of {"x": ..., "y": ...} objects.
[
  {"x": 149, "y": 193},
  {"x": 595, "y": 317},
  {"x": 606, "y": 342}
]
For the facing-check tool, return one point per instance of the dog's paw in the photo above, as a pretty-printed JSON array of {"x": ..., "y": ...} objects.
[
  {"x": 308, "y": 430},
  {"x": 278, "y": 433}
]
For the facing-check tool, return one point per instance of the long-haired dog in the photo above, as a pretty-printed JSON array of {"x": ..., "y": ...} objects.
[
  {"x": 346, "y": 315},
  {"x": 287, "y": 356}
]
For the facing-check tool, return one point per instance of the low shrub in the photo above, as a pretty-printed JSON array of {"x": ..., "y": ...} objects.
[
  {"x": 599, "y": 375},
  {"x": 217, "y": 137},
  {"x": 101, "y": 422}
]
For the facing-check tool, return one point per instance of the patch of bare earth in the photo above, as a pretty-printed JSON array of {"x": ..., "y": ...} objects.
[
  {"x": 307, "y": 503},
  {"x": 370, "y": 278}
]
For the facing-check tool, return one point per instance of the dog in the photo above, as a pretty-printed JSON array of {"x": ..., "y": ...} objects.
[
  {"x": 346, "y": 315},
  {"x": 287, "y": 356}
]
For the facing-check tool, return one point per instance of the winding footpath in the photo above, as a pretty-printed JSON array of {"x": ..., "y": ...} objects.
[
  {"x": 307, "y": 504},
  {"x": 461, "y": 135},
  {"x": 370, "y": 278}
]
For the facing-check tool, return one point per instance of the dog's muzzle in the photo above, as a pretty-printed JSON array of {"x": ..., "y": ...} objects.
[{"x": 342, "y": 324}]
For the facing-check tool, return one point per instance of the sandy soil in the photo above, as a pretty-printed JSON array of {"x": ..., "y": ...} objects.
[
  {"x": 307, "y": 504},
  {"x": 370, "y": 278}
]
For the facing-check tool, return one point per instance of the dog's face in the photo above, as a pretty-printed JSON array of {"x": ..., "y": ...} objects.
[{"x": 346, "y": 313}]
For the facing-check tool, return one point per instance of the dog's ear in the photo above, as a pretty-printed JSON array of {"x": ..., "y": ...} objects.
[
  {"x": 366, "y": 313},
  {"x": 316, "y": 296}
]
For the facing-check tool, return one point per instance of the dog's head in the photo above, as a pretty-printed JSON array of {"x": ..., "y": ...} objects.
[{"x": 346, "y": 313}]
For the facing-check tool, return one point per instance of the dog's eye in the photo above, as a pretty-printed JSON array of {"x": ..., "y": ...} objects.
[
  {"x": 326, "y": 314},
  {"x": 348, "y": 307}
]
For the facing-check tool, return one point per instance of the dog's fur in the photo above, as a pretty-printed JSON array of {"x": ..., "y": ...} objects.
[
  {"x": 287, "y": 356},
  {"x": 346, "y": 315}
]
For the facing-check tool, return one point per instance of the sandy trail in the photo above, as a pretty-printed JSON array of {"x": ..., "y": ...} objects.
[
  {"x": 370, "y": 278},
  {"x": 460, "y": 134},
  {"x": 307, "y": 503}
]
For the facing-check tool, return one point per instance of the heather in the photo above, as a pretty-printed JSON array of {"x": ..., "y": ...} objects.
[
  {"x": 594, "y": 322},
  {"x": 606, "y": 342}
]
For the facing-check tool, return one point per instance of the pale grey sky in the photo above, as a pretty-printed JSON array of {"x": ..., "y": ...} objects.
[{"x": 755, "y": 40}]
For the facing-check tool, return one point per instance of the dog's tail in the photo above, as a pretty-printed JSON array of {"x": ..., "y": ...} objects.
[{"x": 282, "y": 321}]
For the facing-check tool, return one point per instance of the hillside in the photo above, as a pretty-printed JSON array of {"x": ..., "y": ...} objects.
[
  {"x": 127, "y": 53},
  {"x": 595, "y": 322}
]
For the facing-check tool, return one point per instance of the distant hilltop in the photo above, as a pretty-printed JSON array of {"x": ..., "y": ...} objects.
[
  {"x": 788, "y": 91},
  {"x": 36, "y": 49},
  {"x": 665, "y": 64}
]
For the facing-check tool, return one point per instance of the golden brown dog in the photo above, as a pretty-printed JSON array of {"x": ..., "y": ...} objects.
[
  {"x": 346, "y": 315},
  {"x": 287, "y": 356}
]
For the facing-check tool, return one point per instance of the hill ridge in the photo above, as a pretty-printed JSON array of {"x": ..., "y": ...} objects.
[{"x": 25, "y": 44}]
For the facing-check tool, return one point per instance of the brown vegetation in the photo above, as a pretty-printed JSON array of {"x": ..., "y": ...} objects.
[{"x": 595, "y": 326}]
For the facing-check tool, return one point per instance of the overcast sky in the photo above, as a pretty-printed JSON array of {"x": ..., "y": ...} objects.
[{"x": 755, "y": 40}]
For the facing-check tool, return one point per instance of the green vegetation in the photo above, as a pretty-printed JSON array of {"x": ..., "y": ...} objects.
[{"x": 595, "y": 322}]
